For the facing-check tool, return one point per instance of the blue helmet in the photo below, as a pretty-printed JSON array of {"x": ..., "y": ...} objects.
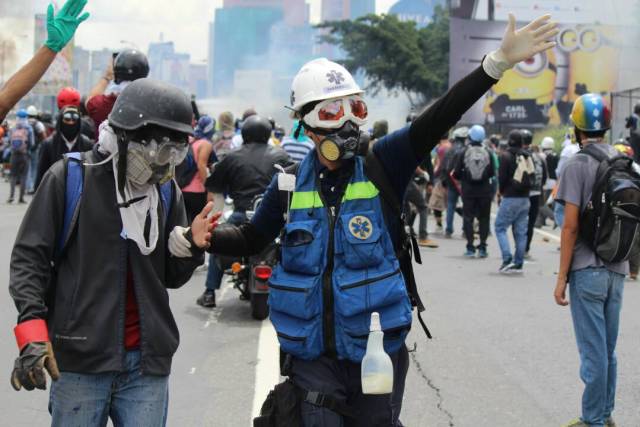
[
  {"x": 477, "y": 133},
  {"x": 205, "y": 128},
  {"x": 22, "y": 114}
]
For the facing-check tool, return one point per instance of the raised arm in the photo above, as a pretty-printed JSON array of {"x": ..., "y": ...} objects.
[
  {"x": 61, "y": 29},
  {"x": 516, "y": 46}
]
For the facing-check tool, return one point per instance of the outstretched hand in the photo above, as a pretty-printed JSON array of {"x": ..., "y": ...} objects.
[
  {"x": 536, "y": 37},
  {"x": 62, "y": 27},
  {"x": 202, "y": 226}
]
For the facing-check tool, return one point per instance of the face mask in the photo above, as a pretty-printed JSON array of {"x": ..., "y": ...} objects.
[
  {"x": 341, "y": 145},
  {"x": 70, "y": 131},
  {"x": 152, "y": 164}
]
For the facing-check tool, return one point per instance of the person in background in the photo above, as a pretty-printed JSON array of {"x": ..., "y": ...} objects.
[
  {"x": 68, "y": 96},
  {"x": 60, "y": 30},
  {"x": 223, "y": 139},
  {"x": 438, "y": 200},
  {"x": 515, "y": 176},
  {"x": 535, "y": 194},
  {"x": 460, "y": 136},
  {"x": 66, "y": 139},
  {"x": 237, "y": 138},
  {"x": 88, "y": 128},
  {"x": 40, "y": 134},
  {"x": 297, "y": 145},
  {"x": 195, "y": 195},
  {"x": 128, "y": 66},
  {"x": 551, "y": 160},
  {"x": 21, "y": 137},
  {"x": 475, "y": 169}
]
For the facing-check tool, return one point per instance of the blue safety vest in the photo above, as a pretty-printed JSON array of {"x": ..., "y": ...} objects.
[{"x": 336, "y": 269}]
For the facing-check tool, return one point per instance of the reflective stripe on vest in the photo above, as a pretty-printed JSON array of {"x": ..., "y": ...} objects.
[{"x": 365, "y": 273}]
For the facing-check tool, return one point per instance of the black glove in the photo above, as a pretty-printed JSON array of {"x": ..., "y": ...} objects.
[{"x": 28, "y": 370}]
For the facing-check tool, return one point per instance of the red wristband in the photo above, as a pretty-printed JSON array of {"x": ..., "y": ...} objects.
[{"x": 31, "y": 331}]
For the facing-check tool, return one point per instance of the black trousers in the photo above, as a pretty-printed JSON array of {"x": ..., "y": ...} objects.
[
  {"x": 341, "y": 379},
  {"x": 480, "y": 208},
  {"x": 533, "y": 216}
]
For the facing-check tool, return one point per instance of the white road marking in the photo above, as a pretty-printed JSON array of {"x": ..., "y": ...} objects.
[
  {"x": 215, "y": 312},
  {"x": 192, "y": 371},
  {"x": 267, "y": 366}
]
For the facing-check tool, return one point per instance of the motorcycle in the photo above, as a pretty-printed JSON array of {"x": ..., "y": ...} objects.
[{"x": 250, "y": 275}]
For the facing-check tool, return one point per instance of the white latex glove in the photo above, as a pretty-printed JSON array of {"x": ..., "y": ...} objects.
[
  {"x": 179, "y": 246},
  {"x": 518, "y": 45}
]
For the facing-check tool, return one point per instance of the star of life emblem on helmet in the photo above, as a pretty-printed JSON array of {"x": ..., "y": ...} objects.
[
  {"x": 335, "y": 77},
  {"x": 360, "y": 227}
]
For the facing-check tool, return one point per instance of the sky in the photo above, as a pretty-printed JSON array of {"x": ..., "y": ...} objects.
[{"x": 138, "y": 22}]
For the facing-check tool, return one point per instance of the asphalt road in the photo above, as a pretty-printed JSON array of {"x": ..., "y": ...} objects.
[{"x": 503, "y": 353}]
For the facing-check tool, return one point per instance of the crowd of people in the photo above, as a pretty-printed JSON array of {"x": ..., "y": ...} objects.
[{"x": 126, "y": 180}]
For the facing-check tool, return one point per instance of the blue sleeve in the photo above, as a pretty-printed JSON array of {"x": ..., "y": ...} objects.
[
  {"x": 269, "y": 218},
  {"x": 398, "y": 158}
]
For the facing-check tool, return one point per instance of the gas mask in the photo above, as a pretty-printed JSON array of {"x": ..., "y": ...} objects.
[
  {"x": 70, "y": 123},
  {"x": 342, "y": 144},
  {"x": 153, "y": 162}
]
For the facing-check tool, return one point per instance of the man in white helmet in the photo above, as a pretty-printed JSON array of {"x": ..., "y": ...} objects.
[
  {"x": 344, "y": 254},
  {"x": 40, "y": 134}
]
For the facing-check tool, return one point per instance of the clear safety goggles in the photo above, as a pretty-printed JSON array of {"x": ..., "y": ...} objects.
[
  {"x": 163, "y": 152},
  {"x": 334, "y": 113},
  {"x": 70, "y": 117}
]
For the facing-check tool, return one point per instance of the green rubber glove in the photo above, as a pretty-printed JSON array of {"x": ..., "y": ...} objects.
[{"x": 62, "y": 27}]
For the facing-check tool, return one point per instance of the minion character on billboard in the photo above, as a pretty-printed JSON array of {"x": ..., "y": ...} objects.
[
  {"x": 525, "y": 94},
  {"x": 592, "y": 59}
]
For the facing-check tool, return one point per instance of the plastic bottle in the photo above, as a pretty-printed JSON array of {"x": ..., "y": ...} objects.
[{"x": 376, "y": 369}]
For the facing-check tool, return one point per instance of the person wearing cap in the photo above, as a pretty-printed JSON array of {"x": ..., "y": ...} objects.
[
  {"x": 61, "y": 27},
  {"x": 460, "y": 136},
  {"x": 128, "y": 66},
  {"x": 339, "y": 233},
  {"x": 595, "y": 286},
  {"x": 106, "y": 235},
  {"x": 67, "y": 138},
  {"x": 475, "y": 170}
]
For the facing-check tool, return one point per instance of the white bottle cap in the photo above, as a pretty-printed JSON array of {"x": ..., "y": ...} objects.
[{"x": 375, "y": 322}]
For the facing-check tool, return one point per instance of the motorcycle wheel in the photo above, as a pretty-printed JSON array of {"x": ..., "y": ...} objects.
[{"x": 259, "y": 306}]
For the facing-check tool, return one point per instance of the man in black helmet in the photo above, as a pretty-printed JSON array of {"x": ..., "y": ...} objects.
[
  {"x": 243, "y": 174},
  {"x": 128, "y": 66},
  {"x": 101, "y": 242}
]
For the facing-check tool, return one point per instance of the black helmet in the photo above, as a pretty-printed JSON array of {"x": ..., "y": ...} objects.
[
  {"x": 256, "y": 129},
  {"x": 152, "y": 102},
  {"x": 515, "y": 138},
  {"x": 130, "y": 65},
  {"x": 527, "y": 137}
]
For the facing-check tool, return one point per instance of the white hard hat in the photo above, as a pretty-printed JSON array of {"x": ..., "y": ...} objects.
[
  {"x": 32, "y": 111},
  {"x": 461, "y": 133},
  {"x": 547, "y": 143},
  {"x": 321, "y": 79}
]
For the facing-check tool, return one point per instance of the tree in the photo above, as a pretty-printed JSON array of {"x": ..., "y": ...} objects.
[{"x": 396, "y": 55}]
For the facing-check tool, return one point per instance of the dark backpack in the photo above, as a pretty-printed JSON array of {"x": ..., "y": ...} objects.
[
  {"x": 186, "y": 170},
  {"x": 449, "y": 161},
  {"x": 538, "y": 175},
  {"x": 610, "y": 223},
  {"x": 73, "y": 195}
]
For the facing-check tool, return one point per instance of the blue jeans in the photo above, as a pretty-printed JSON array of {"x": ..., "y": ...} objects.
[
  {"x": 214, "y": 273},
  {"x": 558, "y": 213},
  {"x": 129, "y": 398},
  {"x": 513, "y": 211},
  {"x": 33, "y": 169},
  {"x": 452, "y": 202},
  {"x": 596, "y": 300}
]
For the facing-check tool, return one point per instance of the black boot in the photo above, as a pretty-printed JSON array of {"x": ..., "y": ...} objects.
[{"x": 207, "y": 299}]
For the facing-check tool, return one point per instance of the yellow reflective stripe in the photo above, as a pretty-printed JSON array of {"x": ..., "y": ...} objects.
[
  {"x": 306, "y": 200},
  {"x": 360, "y": 190}
]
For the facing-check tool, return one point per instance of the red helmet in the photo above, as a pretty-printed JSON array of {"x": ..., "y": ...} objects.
[{"x": 68, "y": 96}]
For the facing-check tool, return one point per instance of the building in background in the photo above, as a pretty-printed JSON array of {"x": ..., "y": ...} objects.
[
  {"x": 168, "y": 65},
  {"x": 419, "y": 11}
]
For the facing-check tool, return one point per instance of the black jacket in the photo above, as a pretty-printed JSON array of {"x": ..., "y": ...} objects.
[
  {"x": 54, "y": 147},
  {"x": 83, "y": 301},
  {"x": 507, "y": 169},
  {"x": 246, "y": 173}
]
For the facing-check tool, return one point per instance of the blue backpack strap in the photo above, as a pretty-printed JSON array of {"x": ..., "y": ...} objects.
[
  {"x": 166, "y": 195},
  {"x": 73, "y": 194}
]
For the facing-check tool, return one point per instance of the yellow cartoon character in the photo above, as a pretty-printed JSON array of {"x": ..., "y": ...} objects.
[{"x": 525, "y": 94}]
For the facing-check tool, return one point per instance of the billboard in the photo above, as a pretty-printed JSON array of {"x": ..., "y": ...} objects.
[{"x": 541, "y": 90}]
